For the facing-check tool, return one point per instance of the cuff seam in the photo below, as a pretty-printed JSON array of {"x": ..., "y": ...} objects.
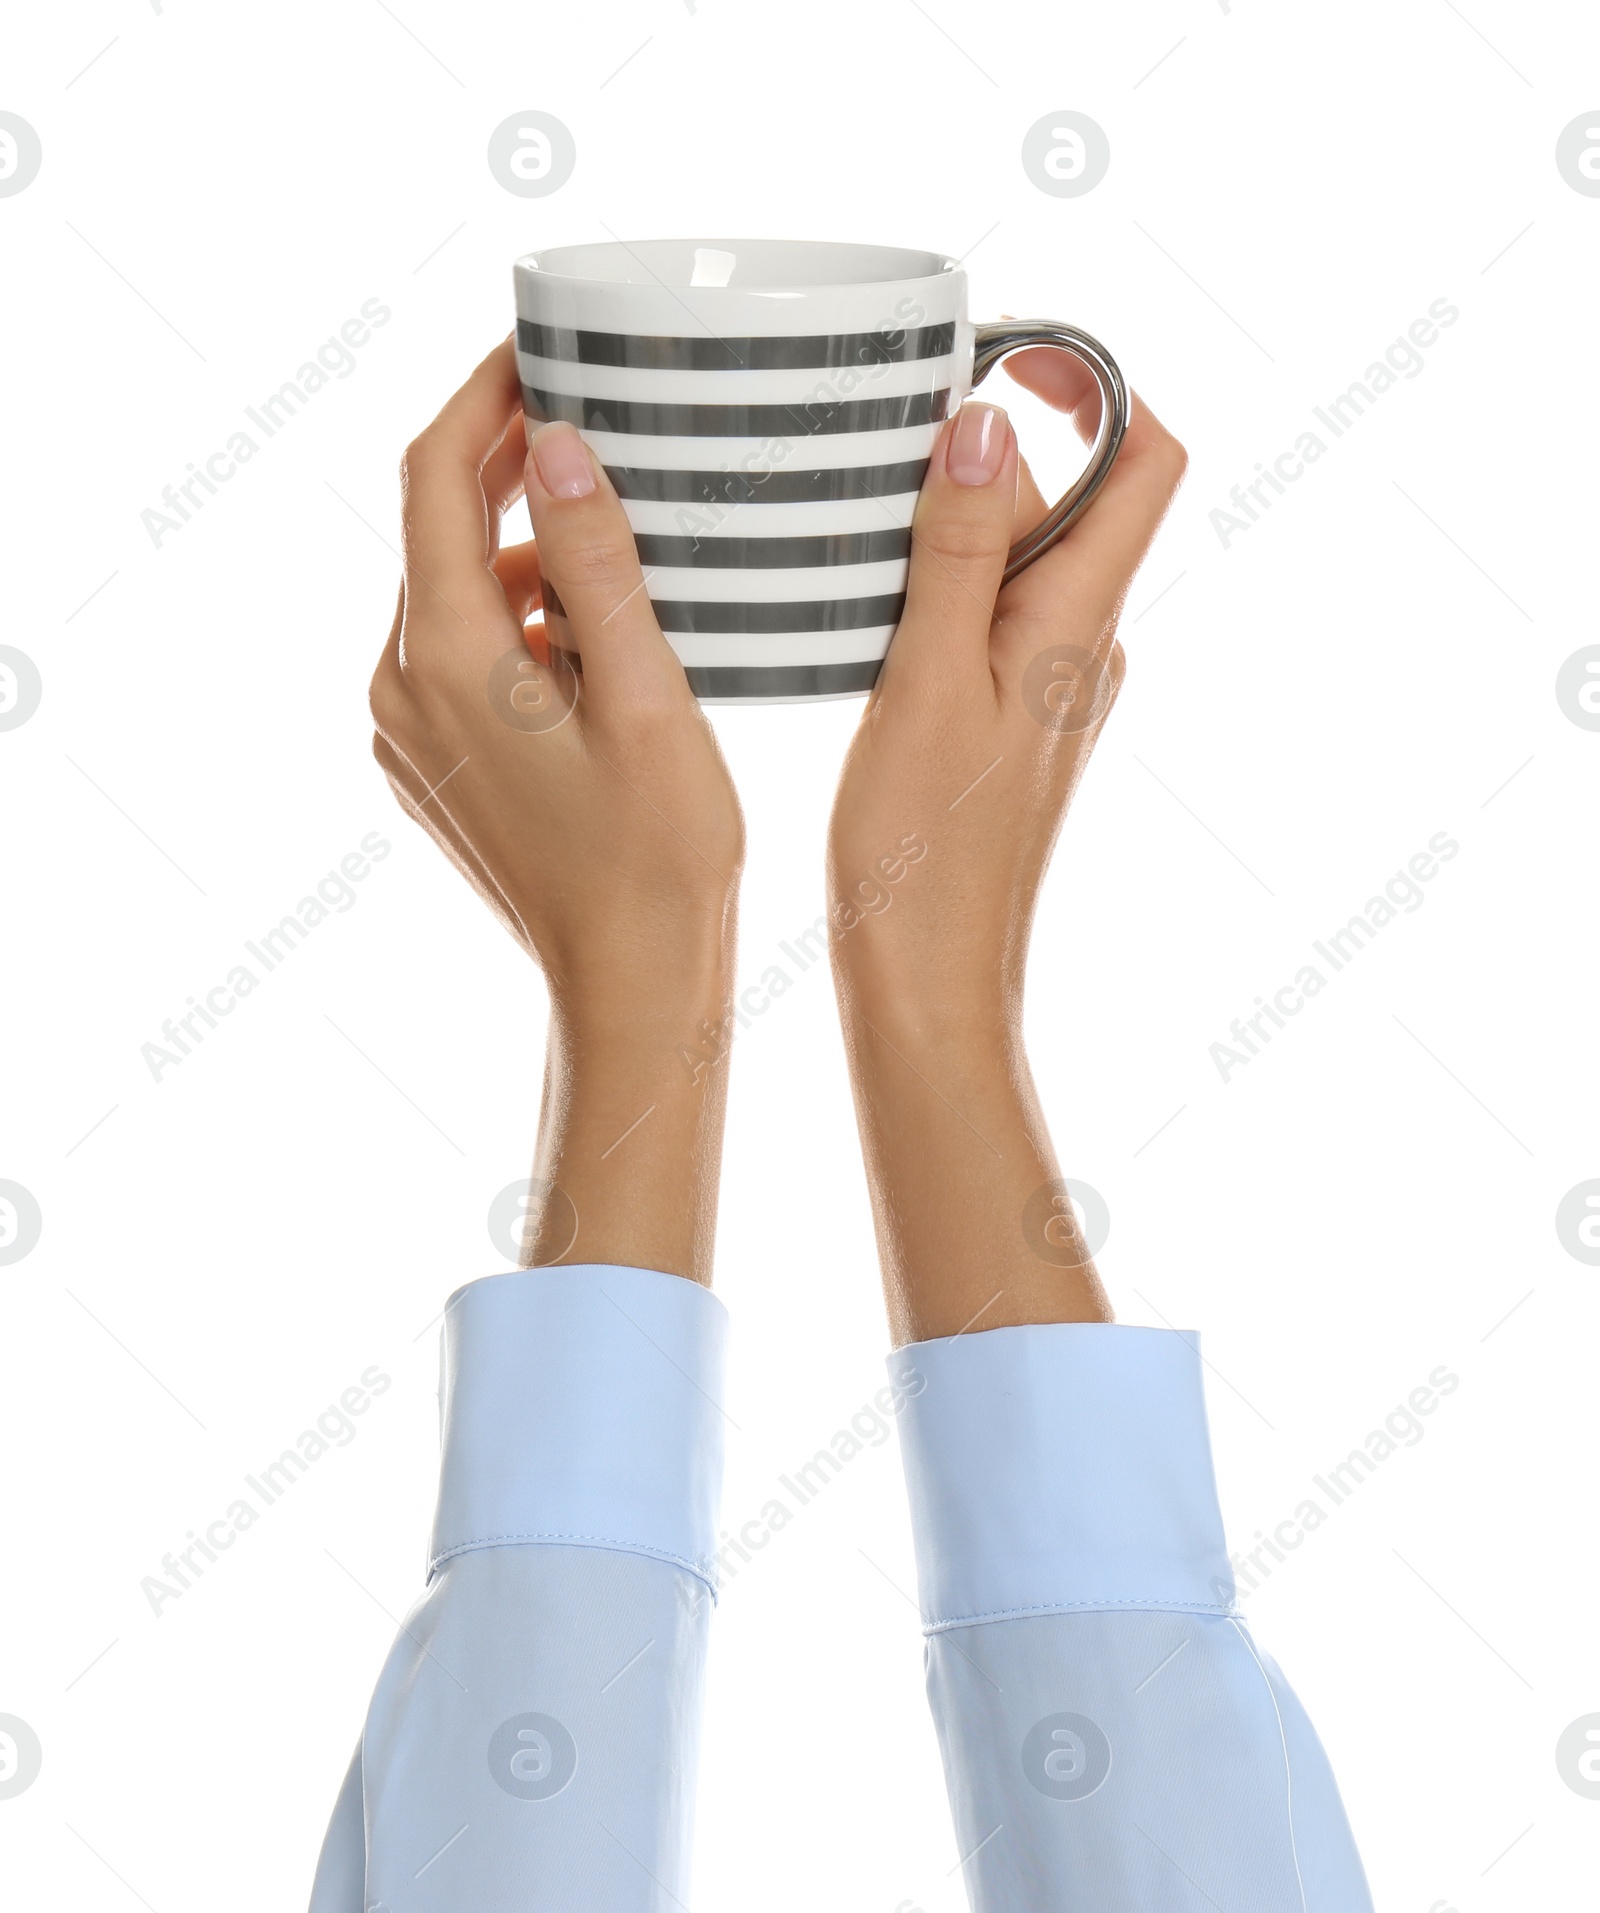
[
  {"x": 610, "y": 1542},
  {"x": 1111, "y": 1604}
]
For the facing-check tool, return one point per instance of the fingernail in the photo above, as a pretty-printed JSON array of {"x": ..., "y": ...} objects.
[
  {"x": 977, "y": 446},
  {"x": 563, "y": 461}
]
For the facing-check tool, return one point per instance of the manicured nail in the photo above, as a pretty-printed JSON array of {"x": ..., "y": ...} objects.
[
  {"x": 563, "y": 461},
  {"x": 977, "y": 446}
]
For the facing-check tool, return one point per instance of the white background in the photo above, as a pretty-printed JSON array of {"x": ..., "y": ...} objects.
[{"x": 1370, "y": 664}]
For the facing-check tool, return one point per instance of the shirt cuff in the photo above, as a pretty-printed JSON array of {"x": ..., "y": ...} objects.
[
  {"x": 581, "y": 1406},
  {"x": 1062, "y": 1465}
]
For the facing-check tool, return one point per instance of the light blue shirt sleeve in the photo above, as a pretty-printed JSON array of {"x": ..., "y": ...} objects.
[
  {"x": 1113, "y": 1739},
  {"x": 533, "y": 1737}
]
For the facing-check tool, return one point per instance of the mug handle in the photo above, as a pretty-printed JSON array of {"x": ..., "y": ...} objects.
[{"x": 994, "y": 342}]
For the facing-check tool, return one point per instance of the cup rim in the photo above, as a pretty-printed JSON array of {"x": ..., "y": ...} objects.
[{"x": 923, "y": 264}]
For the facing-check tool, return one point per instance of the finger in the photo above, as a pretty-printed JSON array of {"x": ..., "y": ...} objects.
[
  {"x": 587, "y": 554},
  {"x": 1031, "y": 505},
  {"x": 517, "y": 568},
  {"x": 444, "y": 513},
  {"x": 959, "y": 539},
  {"x": 389, "y": 657},
  {"x": 1063, "y": 381},
  {"x": 502, "y": 475},
  {"x": 1026, "y": 628},
  {"x": 1098, "y": 557}
]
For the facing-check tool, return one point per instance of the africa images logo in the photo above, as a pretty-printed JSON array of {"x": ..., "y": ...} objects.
[
  {"x": 1066, "y": 1757},
  {"x": 532, "y": 1756}
]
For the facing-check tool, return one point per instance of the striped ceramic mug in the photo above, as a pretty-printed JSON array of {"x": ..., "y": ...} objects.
[{"x": 765, "y": 409}]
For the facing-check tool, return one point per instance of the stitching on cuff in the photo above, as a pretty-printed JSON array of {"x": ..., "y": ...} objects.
[
  {"x": 695, "y": 1568},
  {"x": 1111, "y": 1604}
]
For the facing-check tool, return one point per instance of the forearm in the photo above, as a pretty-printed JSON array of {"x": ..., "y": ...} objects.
[
  {"x": 974, "y": 1230},
  {"x": 630, "y": 1134}
]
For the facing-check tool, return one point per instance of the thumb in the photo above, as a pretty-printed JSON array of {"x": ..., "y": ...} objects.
[
  {"x": 960, "y": 537},
  {"x": 586, "y": 551}
]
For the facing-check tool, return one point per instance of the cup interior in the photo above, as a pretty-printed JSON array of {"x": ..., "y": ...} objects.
[{"x": 750, "y": 265}]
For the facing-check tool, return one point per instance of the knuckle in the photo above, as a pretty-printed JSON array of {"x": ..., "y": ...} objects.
[
  {"x": 390, "y": 762},
  {"x": 1170, "y": 457},
  {"x": 959, "y": 539},
  {"x": 1033, "y": 627},
  {"x": 417, "y": 458},
  {"x": 591, "y": 562},
  {"x": 386, "y": 697}
]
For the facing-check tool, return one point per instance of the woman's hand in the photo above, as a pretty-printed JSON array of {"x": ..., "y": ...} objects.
[
  {"x": 952, "y": 796},
  {"x": 594, "y": 814}
]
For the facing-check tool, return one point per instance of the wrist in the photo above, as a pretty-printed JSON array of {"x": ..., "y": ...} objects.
[
  {"x": 644, "y": 997},
  {"x": 638, "y": 1035},
  {"x": 630, "y": 1136},
  {"x": 963, "y": 1018}
]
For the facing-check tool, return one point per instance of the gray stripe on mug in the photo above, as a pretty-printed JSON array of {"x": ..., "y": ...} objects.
[
  {"x": 765, "y": 620},
  {"x": 798, "y": 420},
  {"x": 782, "y": 680},
  {"x": 811, "y": 614},
  {"x": 755, "y": 554},
  {"x": 768, "y": 488},
  {"x": 763, "y": 680},
  {"x": 832, "y": 351}
]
